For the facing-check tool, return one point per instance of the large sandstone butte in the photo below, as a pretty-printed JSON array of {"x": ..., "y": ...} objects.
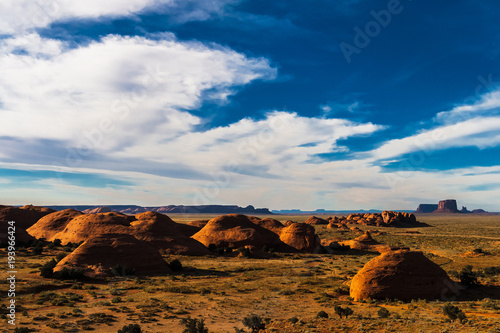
[
  {"x": 236, "y": 230},
  {"x": 400, "y": 274},
  {"x": 426, "y": 208},
  {"x": 87, "y": 226},
  {"x": 447, "y": 206},
  {"x": 163, "y": 233},
  {"x": 99, "y": 254},
  {"x": 49, "y": 225}
]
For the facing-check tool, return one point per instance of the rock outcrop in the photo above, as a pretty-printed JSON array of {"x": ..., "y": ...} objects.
[
  {"x": 384, "y": 219},
  {"x": 365, "y": 242},
  {"x": 87, "y": 226},
  {"x": 400, "y": 274},
  {"x": 300, "y": 236},
  {"x": 313, "y": 220},
  {"x": 98, "y": 255},
  {"x": 447, "y": 206},
  {"x": 235, "y": 230},
  {"x": 49, "y": 225},
  {"x": 24, "y": 217},
  {"x": 163, "y": 233}
]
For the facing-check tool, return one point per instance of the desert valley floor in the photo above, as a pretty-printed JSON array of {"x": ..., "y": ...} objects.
[{"x": 287, "y": 291}]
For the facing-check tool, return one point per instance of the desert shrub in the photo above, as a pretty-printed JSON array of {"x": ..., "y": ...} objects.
[
  {"x": 38, "y": 249},
  {"x": 383, "y": 313},
  {"x": 468, "y": 277},
  {"x": 22, "y": 330},
  {"x": 453, "y": 312},
  {"x": 254, "y": 322},
  {"x": 340, "y": 311},
  {"x": 77, "y": 286},
  {"x": 293, "y": 320},
  {"x": 116, "y": 299},
  {"x": 101, "y": 318},
  {"x": 244, "y": 252},
  {"x": 212, "y": 247},
  {"x": 119, "y": 270},
  {"x": 322, "y": 314},
  {"x": 115, "y": 292},
  {"x": 70, "y": 274},
  {"x": 57, "y": 242},
  {"x": 131, "y": 328},
  {"x": 175, "y": 265},
  {"x": 194, "y": 325},
  {"x": 47, "y": 270},
  {"x": 491, "y": 271},
  {"x": 61, "y": 256},
  {"x": 67, "y": 248}
]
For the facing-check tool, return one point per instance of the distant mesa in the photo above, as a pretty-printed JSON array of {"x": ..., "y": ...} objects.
[
  {"x": 98, "y": 255},
  {"x": 96, "y": 210},
  {"x": 448, "y": 206},
  {"x": 400, "y": 274},
  {"x": 170, "y": 209}
]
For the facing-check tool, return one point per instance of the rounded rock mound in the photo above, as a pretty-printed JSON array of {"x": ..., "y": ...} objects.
[
  {"x": 163, "y": 233},
  {"x": 316, "y": 221},
  {"x": 400, "y": 274},
  {"x": 99, "y": 255},
  {"x": 236, "y": 230},
  {"x": 300, "y": 236},
  {"x": 86, "y": 226},
  {"x": 53, "y": 223}
]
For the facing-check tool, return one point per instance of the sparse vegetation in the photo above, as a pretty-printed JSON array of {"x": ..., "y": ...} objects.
[
  {"x": 453, "y": 312},
  {"x": 194, "y": 325},
  {"x": 131, "y": 328},
  {"x": 254, "y": 322}
]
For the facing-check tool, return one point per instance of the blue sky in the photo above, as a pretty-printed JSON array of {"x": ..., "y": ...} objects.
[{"x": 286, "y": 104}]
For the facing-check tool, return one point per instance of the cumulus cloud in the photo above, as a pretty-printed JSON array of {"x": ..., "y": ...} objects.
[
  {"x": 18, "y": 16},
  {"x": 486, "y": 105},
  {"x": 119, "y": 86}
]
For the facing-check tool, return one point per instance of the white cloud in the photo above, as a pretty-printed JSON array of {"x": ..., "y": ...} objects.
[
  {"x": 488, "y": 104},
  {"x": 18, "y": 16},
  {"x": 477, "y": 132},
  {"x": 120, "y": 87}
]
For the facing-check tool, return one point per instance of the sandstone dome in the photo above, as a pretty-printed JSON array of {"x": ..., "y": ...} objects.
[
  {"x": 316, "y": 221},
  {"x": 400, "y": 274},
  {"x": 163, "y": 233},
  {"x": 24, "y": 216},
  {"x": 86, "y": 226},
  {"x": 235, "y": 230},
  {"x": 300, "y": 236},
  {"x": 53, "y": 223},
  {"x": 366, "y": 242},
  {"x": 99, "y": 254}
]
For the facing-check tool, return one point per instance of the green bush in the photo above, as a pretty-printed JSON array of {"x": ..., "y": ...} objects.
[
  {"x": 194, "y": 325},
  {"x": 47, "y": 270},
  {"x": 453, "y": 312},
  {"x": 175, "y": 265},
  {"x": 322, "y": 314},
  {"x": 254, "y": 322},
  {"x": 340, "y": 311},
  {"x": 468, "y": 277},
  {"x": 131, "y": 328},
  {"x": 383, "y": 313}
]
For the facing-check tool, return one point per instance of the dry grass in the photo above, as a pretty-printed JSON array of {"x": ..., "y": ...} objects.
[{"x": 224, "y": 290}]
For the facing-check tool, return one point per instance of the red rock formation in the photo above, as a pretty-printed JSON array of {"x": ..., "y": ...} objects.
[
  {"x": 313, "y": 220},
  {"x": 447, "y": 206},
  {"x": 99, "y": 254},
  {"x": 235, "y": 231},
  {"x": 163, "y": 233},
  {"x": 49, "y": 225},
  {"x": 400, "y": 274},
  {"x": 300, "y": 236}
]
